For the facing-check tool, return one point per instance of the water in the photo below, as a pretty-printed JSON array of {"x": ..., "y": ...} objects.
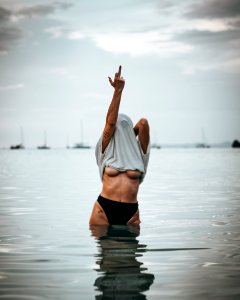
[{"x": 186, "y": 248}]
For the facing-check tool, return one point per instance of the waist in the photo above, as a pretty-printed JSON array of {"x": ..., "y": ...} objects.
[
  {"x": 120, "y": 187},
  {"x": 117, "y": 212},
  {"x": 118, "y": 203}
]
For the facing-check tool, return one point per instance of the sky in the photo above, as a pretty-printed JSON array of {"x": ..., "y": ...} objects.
[{"x": 180, "y": 61}]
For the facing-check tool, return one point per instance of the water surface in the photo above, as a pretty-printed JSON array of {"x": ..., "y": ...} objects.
[{"x": 187, "y": 246}]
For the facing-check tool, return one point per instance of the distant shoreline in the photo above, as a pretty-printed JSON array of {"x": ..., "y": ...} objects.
[{"x": 223, "y": 145}]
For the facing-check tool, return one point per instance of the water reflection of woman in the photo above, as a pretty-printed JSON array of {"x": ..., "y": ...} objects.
[
  {"x": 122, "y": 155},
  {"x": 122, "y": 275}
]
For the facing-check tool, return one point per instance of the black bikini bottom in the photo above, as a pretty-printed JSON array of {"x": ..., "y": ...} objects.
[{"x": 117, "y": 212}]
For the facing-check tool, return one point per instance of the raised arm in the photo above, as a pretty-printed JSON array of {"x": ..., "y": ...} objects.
[{"x": 112, "y": 114}]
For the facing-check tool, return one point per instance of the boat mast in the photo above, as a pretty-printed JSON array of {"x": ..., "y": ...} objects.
[
  {"x": 21, "y": 136},
  {"x": 67, "y": 141},
  {"x": 204, "y": 139},
  {"x": 45, "y": 138},
  {"x": 203, "y": 136},
  {"x": 81, "y": 127}
]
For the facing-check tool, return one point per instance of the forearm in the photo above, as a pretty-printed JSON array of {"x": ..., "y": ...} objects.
[
  {"x": 112, "y": 114},
  {"x": 113, "y": 109}
]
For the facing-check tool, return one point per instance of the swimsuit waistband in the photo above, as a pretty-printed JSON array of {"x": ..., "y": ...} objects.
[
  {"x": 117, "y": 203},
  {"x": 117, "y": 212}
]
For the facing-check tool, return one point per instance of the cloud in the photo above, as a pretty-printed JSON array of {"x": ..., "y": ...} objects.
[
  {"x": 42, "y": 10},
  {"x": 5, "y": 14},
  {"x": 9, "y": 36},
  {"x": 55, "y": 32},
  {"x": 235, "y": 23},
  {"x": 212, "y": 50},
  {"x": 165, "y": 4},
  {"x": 130, "y": 43},
  {"x": 227, "y": 66},
  {"x": 11, "y": 87},
  {"x": 142, "y": 43},
  {"x": 216, "y": 25},
  {"x": 76, "y": 35},
  {"x": 61, "y": 32},
  {"x": 214, "y": 32},
  {"x": 36, "y": 11},
  {"x": 205, "y": 37},
  {"x": 63, "y": 5},
  {"x": 214, "y": 9}
]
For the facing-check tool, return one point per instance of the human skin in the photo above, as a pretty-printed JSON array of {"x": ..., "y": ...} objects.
[{"x": 119, "y": 186}]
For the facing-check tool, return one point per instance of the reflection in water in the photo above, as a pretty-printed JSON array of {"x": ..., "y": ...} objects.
[{"x": 122, "y": 275}]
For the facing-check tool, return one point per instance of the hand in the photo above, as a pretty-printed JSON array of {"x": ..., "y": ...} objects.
[{"x": 118, "y": 82}]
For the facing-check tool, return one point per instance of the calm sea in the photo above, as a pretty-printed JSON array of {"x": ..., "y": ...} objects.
[{"x": 188, "y": 245}]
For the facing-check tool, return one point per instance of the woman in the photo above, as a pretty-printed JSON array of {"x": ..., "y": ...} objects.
[{"x": 122, "y": 155}]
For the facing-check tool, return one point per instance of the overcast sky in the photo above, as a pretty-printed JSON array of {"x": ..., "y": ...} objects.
[{"x": 180, "y": 60}]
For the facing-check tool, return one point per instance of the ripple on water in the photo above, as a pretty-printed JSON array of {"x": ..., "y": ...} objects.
[
  {"x": 219, "y": 223},
  {"x": 14, "y": 211},
  {"x": 9, "y": 188},
  {"x": 188, "y": 243},
  {"x": 12, "y": 296}
]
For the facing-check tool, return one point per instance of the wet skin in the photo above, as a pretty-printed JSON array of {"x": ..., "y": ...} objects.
[{"x": 119, "y": 186}]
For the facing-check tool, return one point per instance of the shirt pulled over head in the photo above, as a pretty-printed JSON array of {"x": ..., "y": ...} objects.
[{"x": 124, "y": 151}]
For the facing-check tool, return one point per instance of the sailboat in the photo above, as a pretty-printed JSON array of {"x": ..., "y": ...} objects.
[
  {"x": 155, "y": 145},
  {"x": 67, "y": 142},
  {"x": 44, "y": 146},
  {"x": 81, "y": 145},
  {"x": 203, "y": 144},
  {"x": 21, "y": 145}
]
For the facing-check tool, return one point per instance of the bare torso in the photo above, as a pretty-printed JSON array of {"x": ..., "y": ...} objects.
[
  {"x": 120, "y": 186},
  {"x": 117, "y": 186}
]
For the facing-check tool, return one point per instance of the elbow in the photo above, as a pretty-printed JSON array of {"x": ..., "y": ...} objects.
[{"x": 111, "y": 122}]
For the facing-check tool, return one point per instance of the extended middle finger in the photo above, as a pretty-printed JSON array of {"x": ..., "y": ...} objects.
[{"x": 119, "y": 71}]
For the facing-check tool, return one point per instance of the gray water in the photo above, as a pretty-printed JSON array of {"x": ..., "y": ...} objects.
[{"x": 187, "y": 246}]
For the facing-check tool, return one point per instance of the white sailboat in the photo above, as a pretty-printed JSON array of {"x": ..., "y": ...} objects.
[
  {"x": 81, "y": 145},
  {"x": 67, "y": 142},
  {"x": 21, "y": 144},
  {"x": 44, "y": 146},
  {"x": 204, "y": 143},
  {"x": 155, "y": 145}
]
